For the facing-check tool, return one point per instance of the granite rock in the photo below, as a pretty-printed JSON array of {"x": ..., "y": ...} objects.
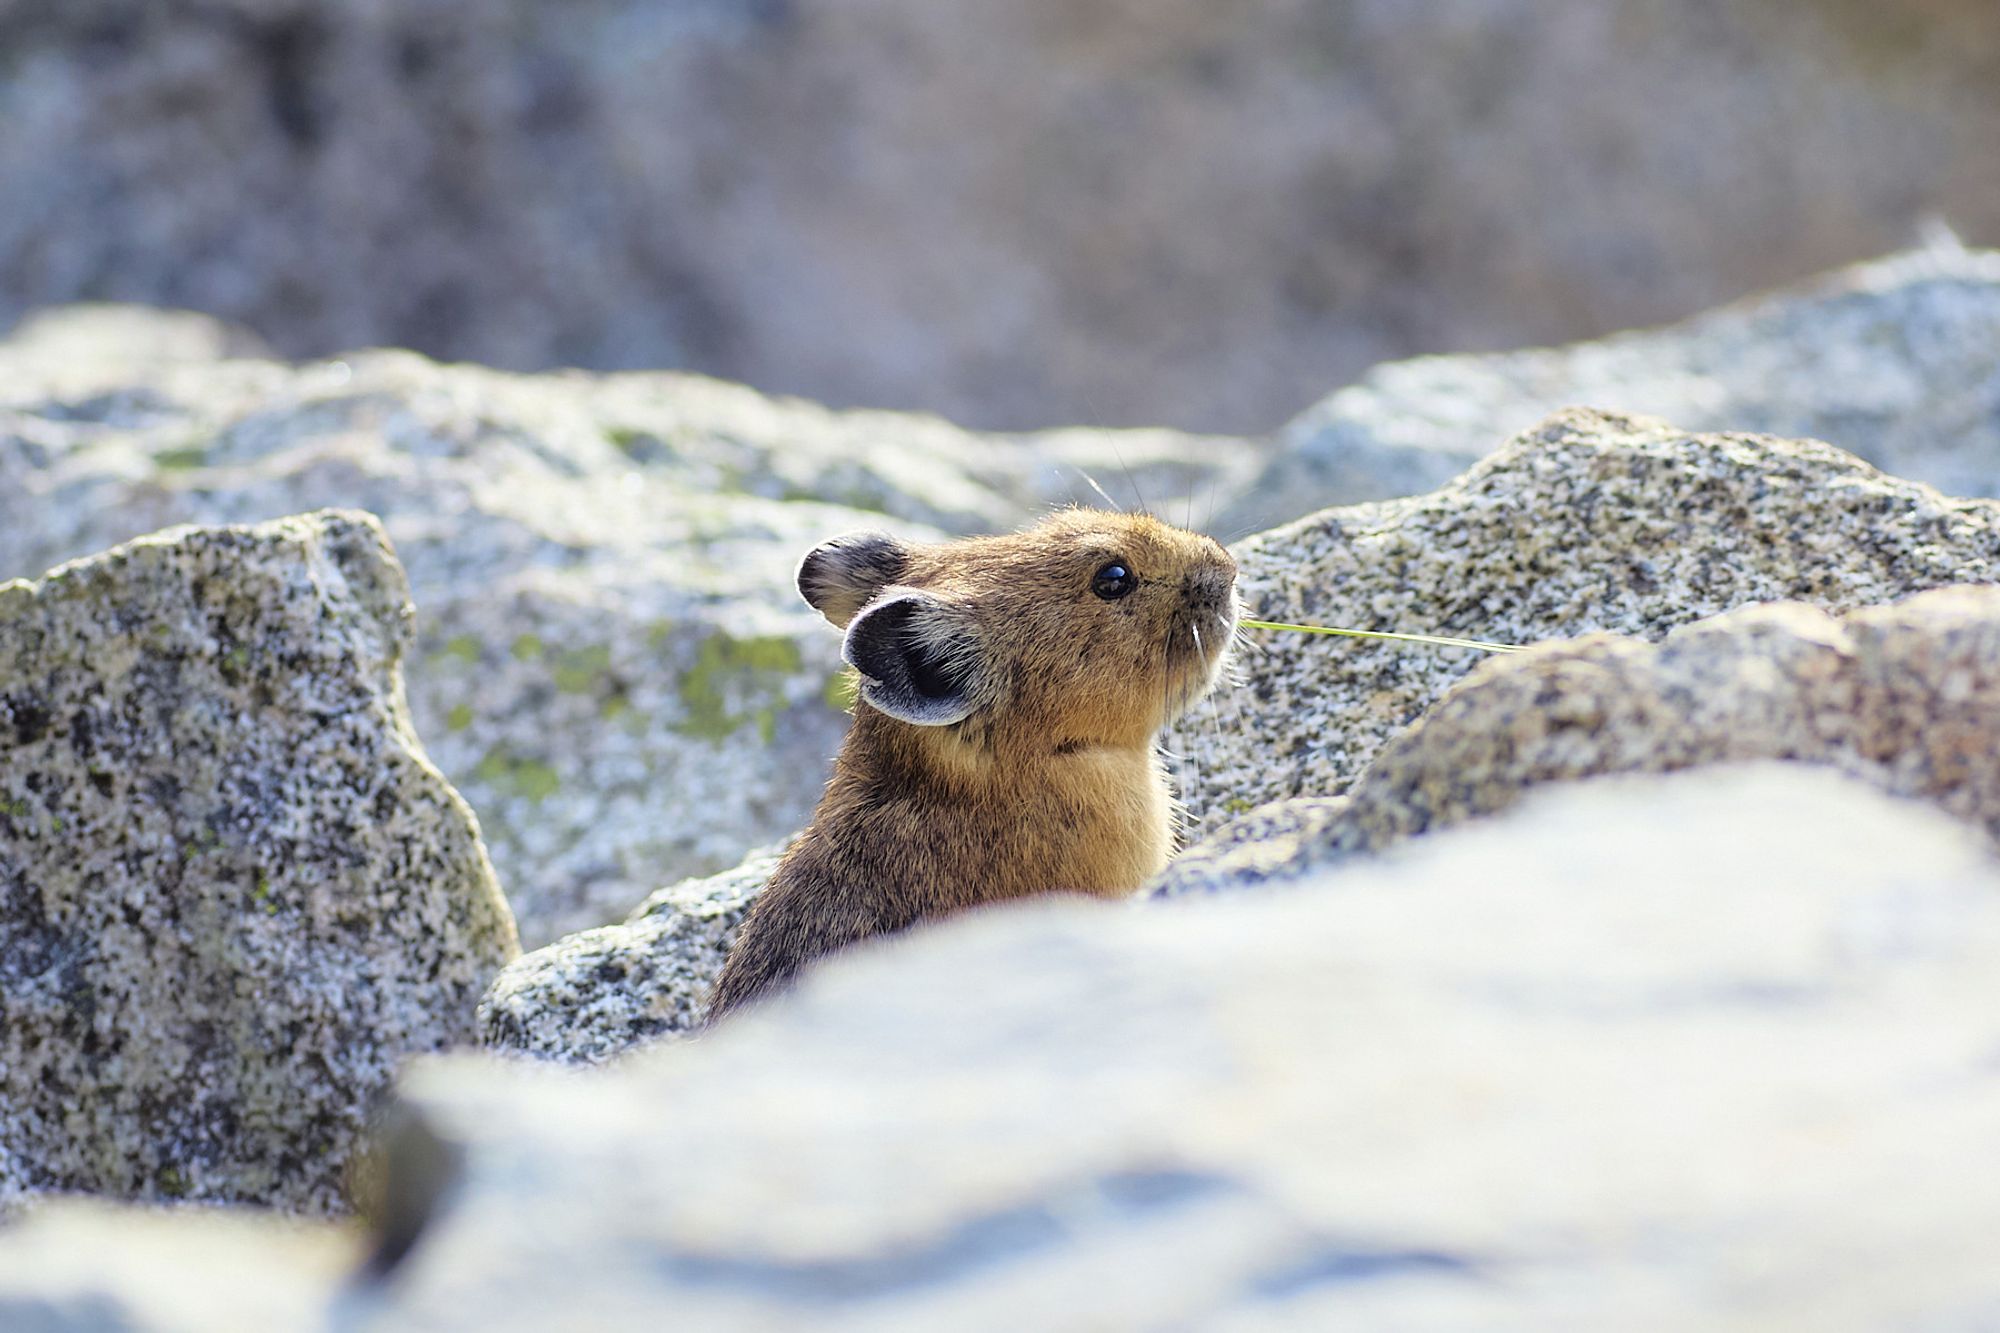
[
  {"x": 234, "y": 894},
  {"x": 1891, "y": 360},
  {"x": 14, "y": 1192},
  {"x": 1588, "y": 522},
  {"x": 1905, "y": 697},
  {"x": 599, "y": 993},
  {"x": 612, "y": 664},
  {"x": 1643, "y": 1053}
]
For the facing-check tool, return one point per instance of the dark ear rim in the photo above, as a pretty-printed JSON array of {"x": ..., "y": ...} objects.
[
  {"x": 843, "y": 574},
  {"x": 916, "y": 657}
]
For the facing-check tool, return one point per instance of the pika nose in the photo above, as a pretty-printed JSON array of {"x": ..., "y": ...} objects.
[{"x": 1208, "y": 587}]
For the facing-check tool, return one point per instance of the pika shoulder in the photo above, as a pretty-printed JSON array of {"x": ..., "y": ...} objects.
[{"x": 1012, "y": 691}]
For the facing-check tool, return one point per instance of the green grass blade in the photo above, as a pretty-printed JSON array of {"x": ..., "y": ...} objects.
[{"x": 1438, "y": 639}]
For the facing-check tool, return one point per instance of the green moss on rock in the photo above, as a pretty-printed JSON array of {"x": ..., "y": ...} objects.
[
  {"x": 183, "y": 459},
  {"x": 727, "y": 671},
  {"x": 578, "y": 670},
  {"x": 513, "y": 775},
  {"x": 462, "y": 648}
]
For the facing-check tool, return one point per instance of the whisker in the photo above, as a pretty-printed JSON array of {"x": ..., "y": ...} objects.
[
  {"x": 1130, "y": 480},
  {"x": 1177, "y": 803},
  {"x": 1188, "y": 820},
  {"x": 1115, "y": 506},
  {"x": 1197, "y": 817},
  {"x": 1234, "y": 671},
  {"x": 1239, "y": 639},
  {"x": 1214, "y": 712}
]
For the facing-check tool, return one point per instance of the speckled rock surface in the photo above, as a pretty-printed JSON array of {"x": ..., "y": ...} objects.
[
  {"x": 1646, "y": 1053},
  {"x": 599, "y": 993},
  {"x": 612, "y": 664},
  {"x": 234, "y": 894},
  {"x": 1892, "y": 360},
  {"x": 1905, "y": 697},
  {"x": 1588, "y": 522},
  {"x": 13, "y": 1188}
]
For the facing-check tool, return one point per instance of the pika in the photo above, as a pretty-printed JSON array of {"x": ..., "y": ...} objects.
[{"x": 1012, "y": 690}]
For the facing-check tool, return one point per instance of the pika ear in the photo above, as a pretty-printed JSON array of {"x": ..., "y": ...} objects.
[
  {"x": 842, "y": 576},
  {"x": 918, "y": 659}
]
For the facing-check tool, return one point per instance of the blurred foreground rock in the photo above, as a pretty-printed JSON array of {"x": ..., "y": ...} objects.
[
  {"x": 1891, "y": 360},
  {"x": 612, "y": 663},
  {"x": 234, "y": 894},
  {"x": 1642, "y": 1054},
  {"x": 1590, "y": 521},
  {"x": 79, "y": 1267}
]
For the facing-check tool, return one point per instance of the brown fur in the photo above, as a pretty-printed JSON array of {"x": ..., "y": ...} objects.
[{"x": 1050, "y": 783}]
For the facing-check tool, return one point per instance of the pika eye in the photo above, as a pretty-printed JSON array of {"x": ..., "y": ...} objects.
[{"x": 1113, "y": 581}]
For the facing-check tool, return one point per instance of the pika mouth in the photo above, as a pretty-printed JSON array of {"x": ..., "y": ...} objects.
[{"x": 1197, "y": 653}]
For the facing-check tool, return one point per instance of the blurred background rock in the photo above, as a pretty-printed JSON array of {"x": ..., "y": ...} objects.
[{"x": 1203, "y": 213}]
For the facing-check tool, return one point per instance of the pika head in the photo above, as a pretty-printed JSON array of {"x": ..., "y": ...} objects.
[
  {"x": 1011, "y": 689},
  {"x": 1087, "y": 629}
]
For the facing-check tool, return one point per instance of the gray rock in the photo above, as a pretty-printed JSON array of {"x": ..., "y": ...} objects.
[
  {"x": 1905, "y": 697},
  {"x": 1017, "y": 214},
  {"x": 1704, "y": 1051},
  {"x": 1588, "y": 522},
  {"x": 89, "y": 1267},
  {"x": 1272, "y": 843},
  {"x": 234, "y": 894},
  {"x": 598, "y": 993},
  {"x": 1891, "y": 360},
  {"x": 612, "y": 664}
]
